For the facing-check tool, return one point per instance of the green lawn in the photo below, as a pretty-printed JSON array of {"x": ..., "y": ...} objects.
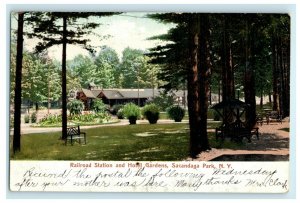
[
  {"x": 164, "y": 115},
  {"x": 285, "y": 129},
  {"x": 160, "y": 142}
]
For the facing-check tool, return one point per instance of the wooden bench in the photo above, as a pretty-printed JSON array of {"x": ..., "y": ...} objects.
[
  {"x": 274, "y": 116},
  {"x": 74, "y": 134}
]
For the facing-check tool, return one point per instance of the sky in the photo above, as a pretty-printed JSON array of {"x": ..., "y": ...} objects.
[{"x": 125, "y": 30}]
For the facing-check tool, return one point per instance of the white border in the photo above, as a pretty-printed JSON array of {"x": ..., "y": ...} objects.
[{"x": 261, "y": 6}]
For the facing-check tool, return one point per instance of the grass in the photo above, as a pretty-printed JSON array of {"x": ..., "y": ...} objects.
[
  {"x": 144, "y": 142},
  {"x": 285, "y": 129},
  {"x": 164, "y": 115}
]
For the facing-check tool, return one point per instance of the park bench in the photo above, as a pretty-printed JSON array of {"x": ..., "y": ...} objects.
[
  {"x": 274, "y": 116},
  {"x": 259, "y": 120},
  {"x": 74, "y": 134},
  {"x": 236, "y": 131}
]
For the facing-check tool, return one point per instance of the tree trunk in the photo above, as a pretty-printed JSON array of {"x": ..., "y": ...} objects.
[
  {"x": 18, "y": 86},
  {"x": 64, "y": 80},
  {"x": 219, "y": 91},
  {"x": 284, "y": 92},
  {"x": 227, "y": 71},
  {"x": 36, "y": 106},
  {"x": 287, "y": 77},
  {"x": 280, "y": 76},
  {"x": 210, "y": 102},
  {"x": 204, "y": 68},
  {"x": 227, "y": 68},
  {"x": 249, "y": 77},
  {"x": 275, "y": 76},
  {"x": 250, "y": 97},
  {"x": 192, "y": 87},
  {"x": 261, "y": 99}
]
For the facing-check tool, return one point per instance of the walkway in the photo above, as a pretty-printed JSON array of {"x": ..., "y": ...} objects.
[
  {"x": 28, "y": 129},
  {"x": 272, "y": 141}
]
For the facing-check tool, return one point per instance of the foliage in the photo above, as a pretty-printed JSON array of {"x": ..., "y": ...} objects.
[
  {"x": 216, "y": 115},
  {"x": 98, "y": 106},
  {"x": 151, "y": 113},
  {"x": 83, "y": 68},
  {"x": 107, "y": 67},
  {"x": 75, "y": 107},
  {"x": 131, "y": 110},
  {"x": 81, "y": 119},
  {"x": 115, "y": 108},
  {"x": 120, "y": 114},
  {"x": 135, "y": 71},
  {"x": 176, "y": 113},
  {"x": 164, "y": 100},
  {"x": 26, "y": 118},
  {"x": 11, "y": 121},
  {"x": 171, "y": 57},
  {"x": 50, "y": 119},
  {"x": 90, "y": 118},
  {"x": 33, "y": 117},
  {"x": 34, "y": 86}
]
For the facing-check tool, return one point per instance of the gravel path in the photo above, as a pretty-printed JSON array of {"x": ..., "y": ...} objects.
[{"x": 27, "y": 129}]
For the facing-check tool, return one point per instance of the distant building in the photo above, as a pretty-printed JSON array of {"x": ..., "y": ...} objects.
[{"x": 123, "y": 96}]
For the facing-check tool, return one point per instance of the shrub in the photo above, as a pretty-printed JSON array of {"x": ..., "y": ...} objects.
[
  {"x": 98, "y": 106},
  {"x": 11, "y": 121},
  {"x": 151, "y": 113},
  {"x": 176, "y": 113},
  {"x": 50, "y": 119},
  {"x": 217, "y": 116},
  {"x": 26, "y": 118},
  {"x": 75, "y": 107},
  {"x": 115, "y": 108},
  {"x": 132, "y": 112},
  {"x": 164, "y": 100},
  {"x": 33, "y": 117},
  {"x": 120, "y": 114}
]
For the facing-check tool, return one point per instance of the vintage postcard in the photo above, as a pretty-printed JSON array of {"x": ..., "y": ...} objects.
[{"x": 150, "y": 102}]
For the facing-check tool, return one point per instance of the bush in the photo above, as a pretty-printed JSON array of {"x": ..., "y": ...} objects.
[
  {"x": 151, "y": 113},
  {"x": 75, "y": 107},
  {"x": 80, "y": 118},
  {"x": 26, "y": 118},
  {"x": 131, "y": 112},
  {"x": 164, "y": 100},
  {"x": 33, "y": 117},
  {"x": 11, "y": 121},
  {"x": 120, "y": 114},
  {"x": 115, "y": 108},
  {"x": 50, "y": 119},
  {"x": 90, "y": 118},
  {"x": 98, "y": 106},
  {"x": 176, "y": 113},
  {"x": 217, "y": 116}
]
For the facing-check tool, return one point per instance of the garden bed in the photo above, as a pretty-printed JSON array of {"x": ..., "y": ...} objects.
[{"x": 113, "y": 121}]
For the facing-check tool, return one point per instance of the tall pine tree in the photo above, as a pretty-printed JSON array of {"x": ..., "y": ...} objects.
[{"x": 62, "y": 28}]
